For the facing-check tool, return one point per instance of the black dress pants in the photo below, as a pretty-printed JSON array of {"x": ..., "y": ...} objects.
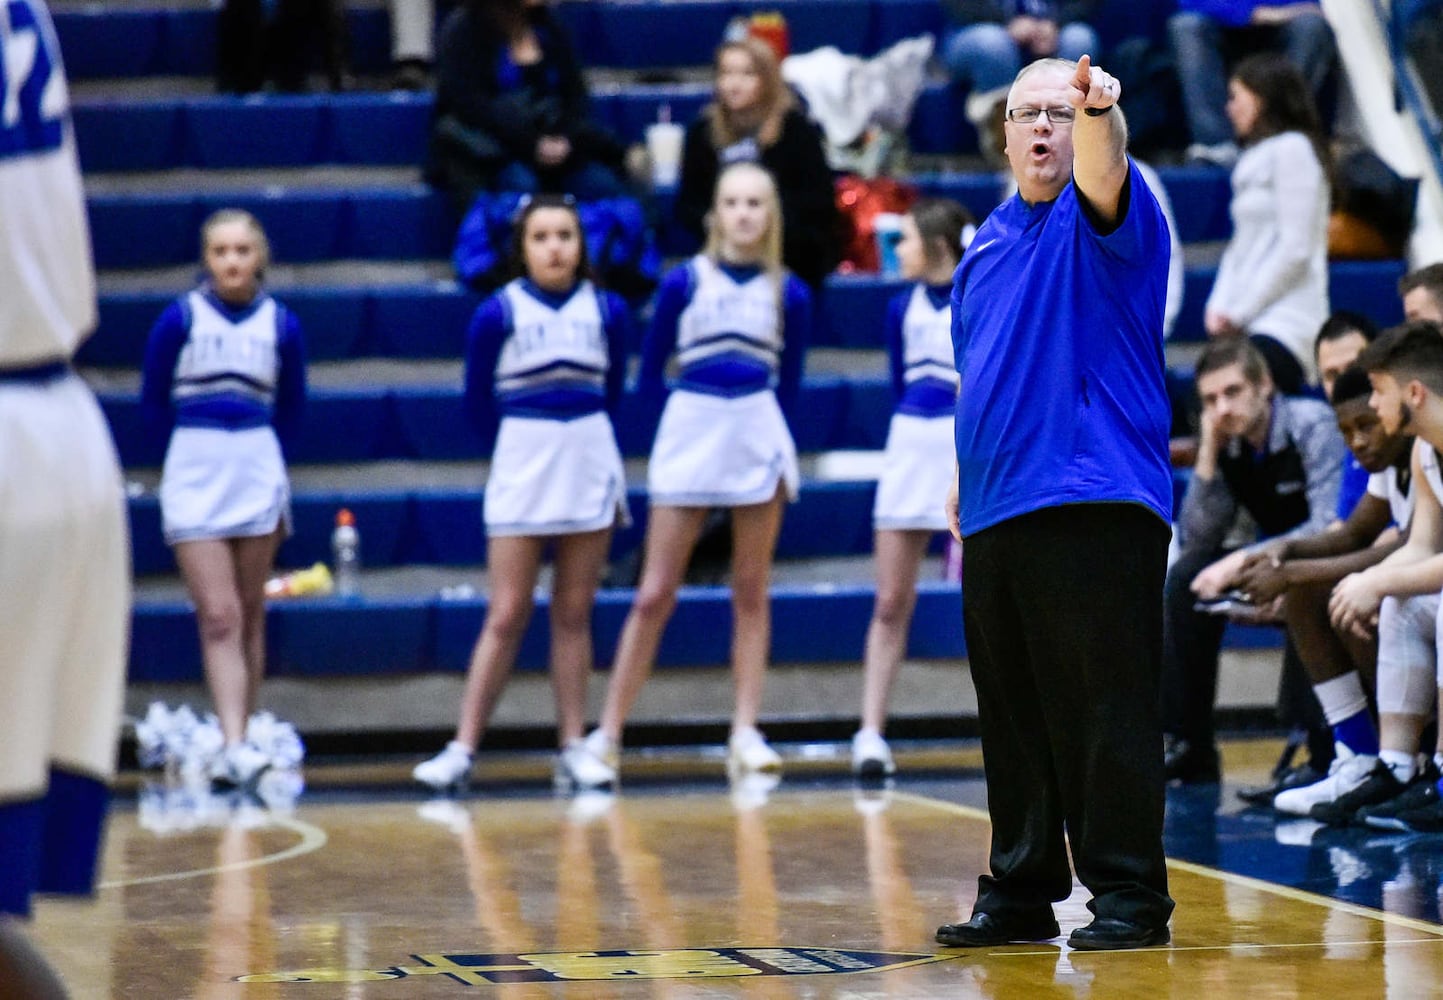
[{"x": 1063, "y": 615}]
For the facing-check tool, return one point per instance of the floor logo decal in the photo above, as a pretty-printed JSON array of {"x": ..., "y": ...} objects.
[{"x": 597, "y": 966}]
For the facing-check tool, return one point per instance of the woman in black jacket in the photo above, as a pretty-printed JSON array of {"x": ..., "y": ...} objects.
[
  {"x": 755, "y": 117},
  {"x": 511, "y": 108}
]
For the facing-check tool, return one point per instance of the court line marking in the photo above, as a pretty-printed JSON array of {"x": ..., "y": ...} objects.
[
  {"x": 1218, "y": 874},
  {"x": 1235, "y": 946},
  {"x": 313, "y": 838}
]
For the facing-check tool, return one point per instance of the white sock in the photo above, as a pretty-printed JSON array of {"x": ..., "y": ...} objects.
[
  {"x": 1342, "y": 697},
  {"x": 1403, "y": 765}
]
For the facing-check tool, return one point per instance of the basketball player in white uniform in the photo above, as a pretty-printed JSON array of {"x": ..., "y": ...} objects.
[{"x": 64, "y": 549}]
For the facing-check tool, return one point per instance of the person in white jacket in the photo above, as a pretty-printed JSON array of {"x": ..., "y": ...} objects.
[{"x": 1272, "y": 282}]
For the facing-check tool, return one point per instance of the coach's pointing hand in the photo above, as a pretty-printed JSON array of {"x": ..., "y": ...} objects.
[{"x": 1092, "y": 87}]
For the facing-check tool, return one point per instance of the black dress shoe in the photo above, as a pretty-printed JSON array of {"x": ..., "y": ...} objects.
[
  {"x": 1112, "y": 933},
  {"x": 987, "y": 929}
]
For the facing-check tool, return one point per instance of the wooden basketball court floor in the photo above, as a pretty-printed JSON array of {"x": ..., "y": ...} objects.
[{"x": 683, "y": 886}]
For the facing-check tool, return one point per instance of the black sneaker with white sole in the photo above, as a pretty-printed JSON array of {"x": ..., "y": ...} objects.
[
  {"x": 1379, "y": 784},
  {"x": 1419, "y": 793},
  {"x": 1426, "y": 818}
]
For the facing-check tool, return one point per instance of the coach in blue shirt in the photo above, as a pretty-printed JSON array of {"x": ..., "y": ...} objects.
[{"x": 1064, "y": 499}]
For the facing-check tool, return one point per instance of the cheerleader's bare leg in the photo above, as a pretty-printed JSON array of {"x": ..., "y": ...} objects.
[
  {"x": 754, "y": 546},
  {"x": 580, "y": 560},
  {"x": 513, "y": 564},
  {"x": 209, "y": 569},
  {"x": 898, "y": 560},
  {"x": 255, "y": 558},
  {"x": 671, "y": 535}
]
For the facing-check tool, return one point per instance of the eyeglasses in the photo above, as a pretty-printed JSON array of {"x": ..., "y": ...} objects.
[{"x": 1026, "y": 116}]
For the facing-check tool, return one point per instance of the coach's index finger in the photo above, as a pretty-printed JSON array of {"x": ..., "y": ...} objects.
[{"x": 1082, "y": 80}]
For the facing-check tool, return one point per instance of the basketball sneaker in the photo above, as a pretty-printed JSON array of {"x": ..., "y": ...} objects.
[
  {"x": 1419, "y": 793},
  {"x": 604, "y": 749},
  {"x": 238, "y": 765},
  {"x": 747, "y": 750},
  {"x": 871, "y": 757},
  {"x": 1353, "y": 780},
  {"x": 1425, "y": 818},
  {"x": 448, "y": 769},
  {"x": 578, "y": 769}
]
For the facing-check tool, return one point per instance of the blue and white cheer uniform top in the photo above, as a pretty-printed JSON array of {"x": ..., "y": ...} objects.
[
  {"x": 552, "y": 365},
  {"x": 917, "y": 464},
  {"x": 738, "y": 334},
  {"x": 226, "y": 384}
]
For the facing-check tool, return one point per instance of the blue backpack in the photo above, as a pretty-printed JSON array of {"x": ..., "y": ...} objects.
[{"x": 622, "y": 248}]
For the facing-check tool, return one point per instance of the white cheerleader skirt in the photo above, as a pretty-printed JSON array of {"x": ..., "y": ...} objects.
[
  {"x": 917, "y": 469},
  {"x": 223, "y": 484},
  {"x": 712, "y": 451},
  {"x": 555, "y": 477}
]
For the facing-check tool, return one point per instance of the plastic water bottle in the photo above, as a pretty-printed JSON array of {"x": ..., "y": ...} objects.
[{"x": 346, "y": 554}]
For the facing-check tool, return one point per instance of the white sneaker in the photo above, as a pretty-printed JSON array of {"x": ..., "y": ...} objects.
[
  {"x": 239, "y": 765},
  {"x": 747, "y": 750},
  {"x": 604, "y": 749},
  {"x": 578, "y": 769},
  {"x": 449, "y": 768},
  {"x": 1348, "y": 771},
  {"x": 871, "y": 757}
]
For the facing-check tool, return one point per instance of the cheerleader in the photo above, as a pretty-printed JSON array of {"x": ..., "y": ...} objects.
[
  {"x": 548, "y": 351},
  {"x": 225, "y": 380},
  {"x": 736, "y": 322},
  {"x": 913, "y": 486}
]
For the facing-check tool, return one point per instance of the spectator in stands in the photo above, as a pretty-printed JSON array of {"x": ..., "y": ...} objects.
[
  {"x": 413, "y": 43},
  {"x": 224, "y": 381},
  {"x": 1422, "y": 292},
  {"x": 1272, "y": 282},
  {"x": 64, "y": 553},
  {"x": 1207, "y": 35},
  {"x": 1303, "y": 570},
  {"x": 1278, "y": 457},
  {"x": 738, "y": 323},
  {"x": 912, "y": 490},
  {"x": 511, "y": 109},
  {"x": 1399, "y": 599},
  {"x": 549, "y": 351},
  {"x": 1339, "y": 343},
  {"x": 754, "y": 118},
  {"x": 259, "y": 42},
  {"x": 992, "y": 39}
]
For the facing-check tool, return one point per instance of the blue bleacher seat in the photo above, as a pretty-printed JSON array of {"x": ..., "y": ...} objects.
[
  {"x": 331, "y": 637},
  {"x": 426, "y": 422},
  {"x": 272, "y": 131},
  {"x": 380, "y": 129},
  {"x": 421, "y": 322},
  {"x": 188, "y": 42},
  {"x": 121, "y": 135},
  {"x": 88, "y": 41},
  {"x": 894, "y": 20},
  {"x": 444, "y": 527}
]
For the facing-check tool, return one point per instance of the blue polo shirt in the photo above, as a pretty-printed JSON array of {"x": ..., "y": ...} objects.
[{"x": 1057, "y": 331}]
